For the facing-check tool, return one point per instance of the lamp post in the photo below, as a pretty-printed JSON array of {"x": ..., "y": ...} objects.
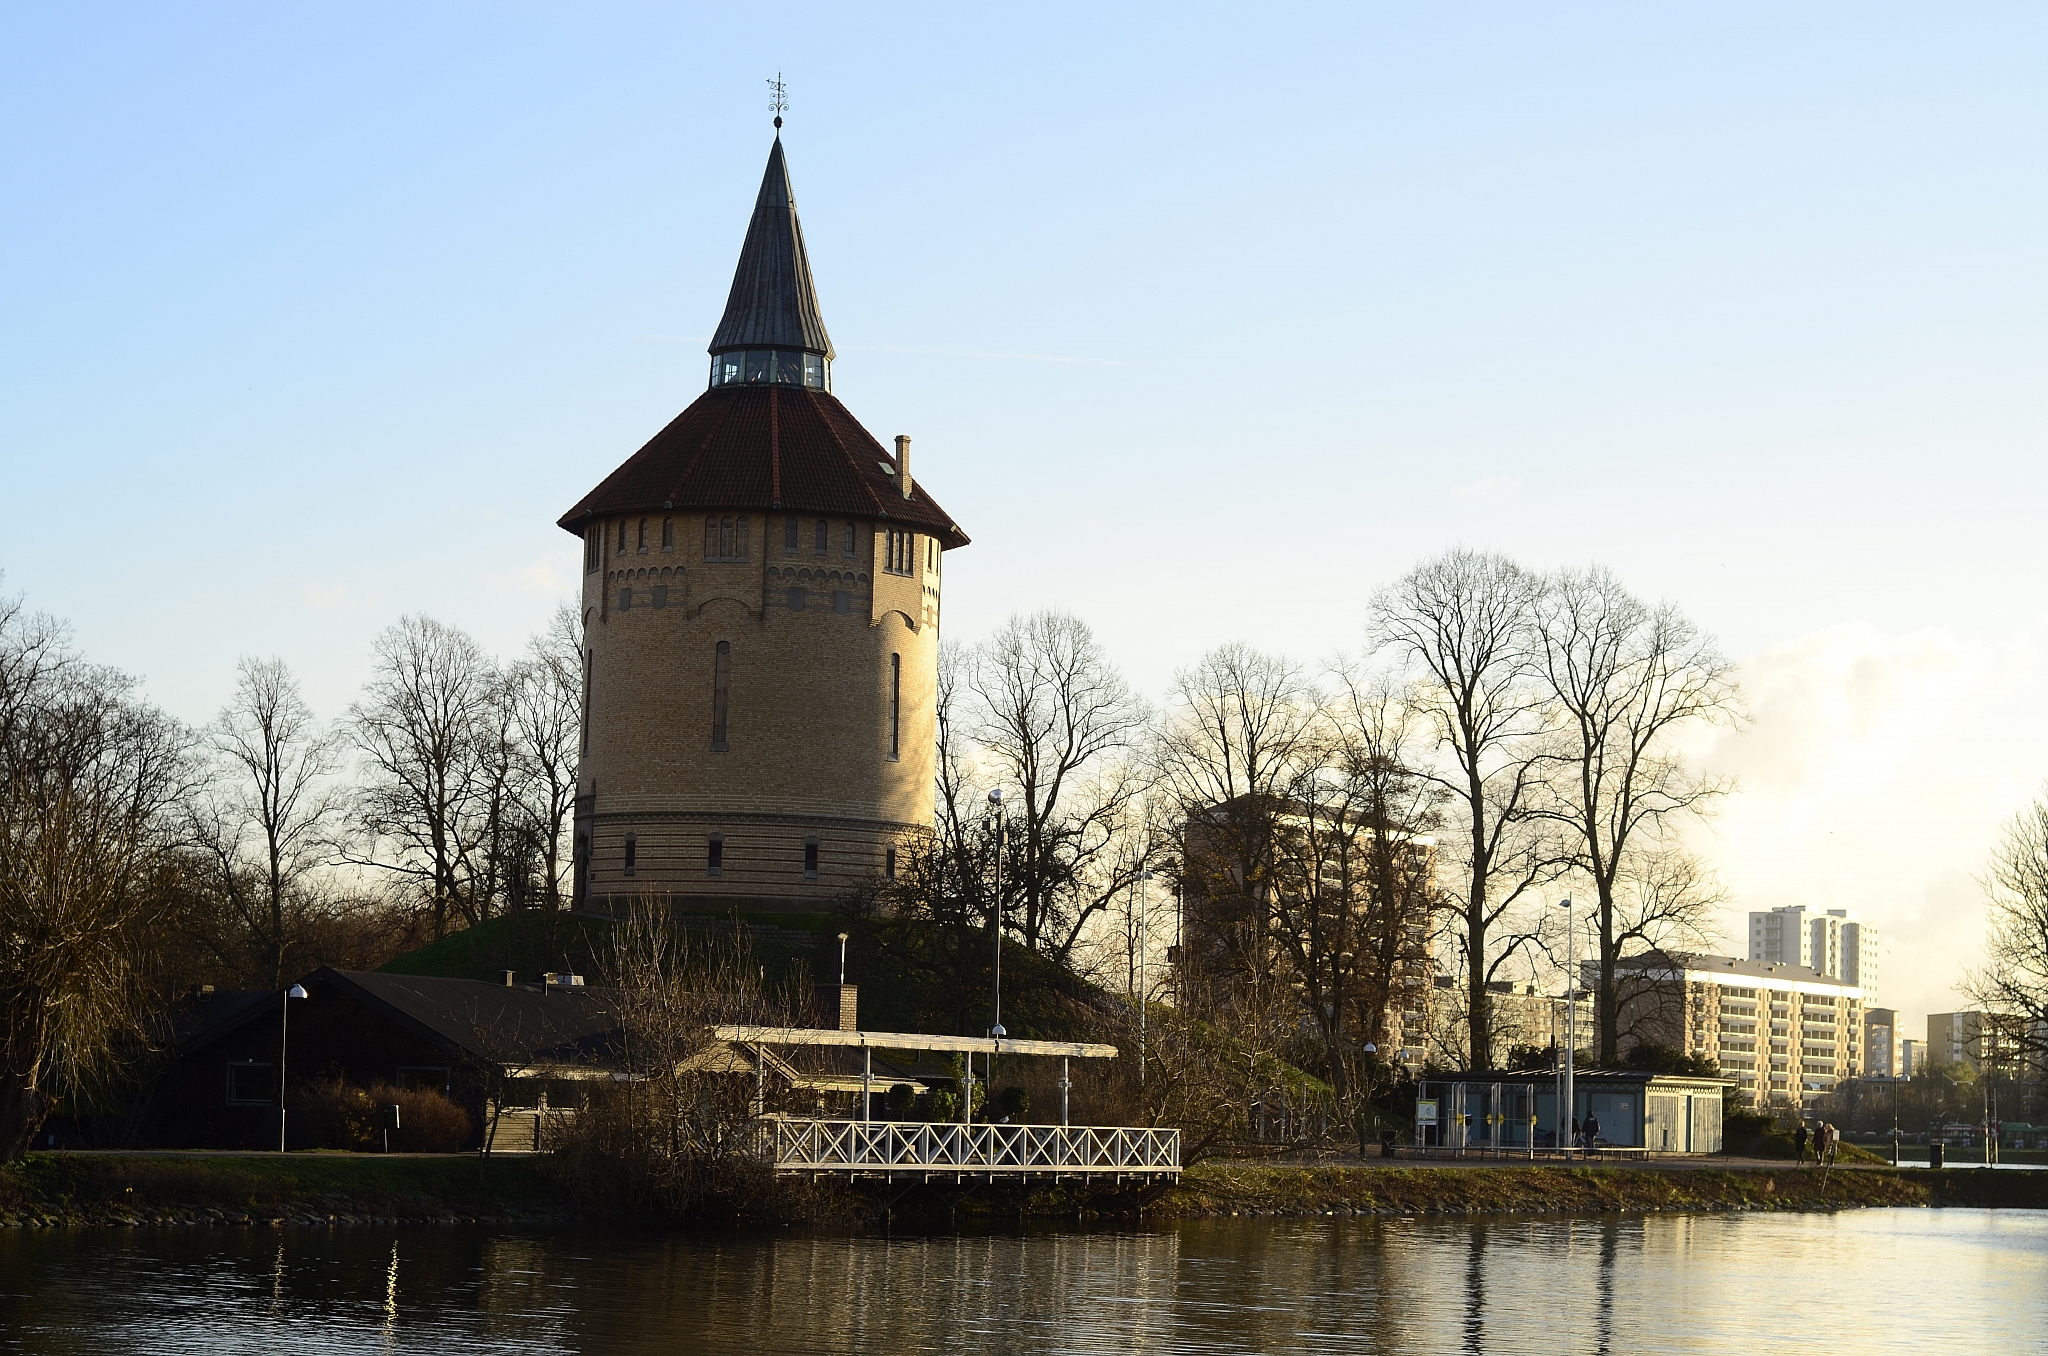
[
  {"x": 1144, "y": 944},
  {"x": 995, "y": 991},
  {"x": 1571, "y": 1023},
  {"x": 284, "y": 1026}
]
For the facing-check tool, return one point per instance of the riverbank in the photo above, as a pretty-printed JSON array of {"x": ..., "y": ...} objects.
[
  {"x": 268, "y": 1189},
  {"x": 120, "y": 1190},
  {"x": 1261, "y": 1189}
]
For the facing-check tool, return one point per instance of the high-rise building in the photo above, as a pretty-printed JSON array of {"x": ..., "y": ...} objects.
[
  {"x": 760, "y": 623},
  {"x": 1880, "y": 1043},
  {"x": 1836, "y": 942},
  {"x": 1912, "y": 1058},
  {"x": 1785, "y": 1032}
]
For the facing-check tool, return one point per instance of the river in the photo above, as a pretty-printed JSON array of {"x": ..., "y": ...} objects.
[{"x": 1859, "y": 1281}]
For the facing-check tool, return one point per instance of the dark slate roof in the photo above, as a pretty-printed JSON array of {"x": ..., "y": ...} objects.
[
  {"x": 767, "y": 448},
  {"x": 774, "y": 303},
  {"x": 489, "y": 1023}
]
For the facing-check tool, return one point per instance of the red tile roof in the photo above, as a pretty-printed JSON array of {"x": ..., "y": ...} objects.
[{"x": 766, "y": 448}]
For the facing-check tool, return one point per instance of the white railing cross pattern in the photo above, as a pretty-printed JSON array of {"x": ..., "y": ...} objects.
[{"x": 1013, "y": 1150}]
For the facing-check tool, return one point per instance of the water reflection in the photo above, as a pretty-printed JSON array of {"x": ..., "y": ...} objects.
[{"x": 1679, "y": 1284}]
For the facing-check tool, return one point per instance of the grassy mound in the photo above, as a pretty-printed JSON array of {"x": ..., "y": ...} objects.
[{"x": 531, "y": 943}]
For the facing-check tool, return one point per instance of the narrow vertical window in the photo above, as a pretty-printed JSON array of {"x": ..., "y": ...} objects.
[
  {"x": 789, "y": 534},
  {"x": 622, "y": 536},
  {"x": 849, "y": 540},
  {"x": 714, "y": 855},
  {"x": 895, "y": 703},
  {"x": 711, "y": 538},
  {"x": 725, "y": 539},
  {"x": 589, "y": 663},
  {"x": 810, "y": 859},
  {"x": 741, "y": 541},
  {"x": 668, "y": 534},
  {"x": 721, "y": 682},
  {"x": 632, "y": 853},
  {"x": 625, "y": 600},
  {"x": 889, "y": 863},
  {"x": 820, "y": 544},
  {"x": 593, "y": 547},
  {"x": 641, "y": 543}
]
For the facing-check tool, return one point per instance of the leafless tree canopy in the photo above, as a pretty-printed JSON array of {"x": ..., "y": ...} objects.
[
  {"x": 91, "y": 780},
  {"x": 1459, "y": 625},
  {"x": 266, "y": 816},
  {"x": 2013, "y": 983},
  {"x": 1624, "y": 678}
]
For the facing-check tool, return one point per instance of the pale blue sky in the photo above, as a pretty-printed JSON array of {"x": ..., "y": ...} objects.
[{"x": 1205, "y": 320}]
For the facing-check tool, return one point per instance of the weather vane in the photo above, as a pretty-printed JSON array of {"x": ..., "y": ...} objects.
[{"x": 778, "y": 104}]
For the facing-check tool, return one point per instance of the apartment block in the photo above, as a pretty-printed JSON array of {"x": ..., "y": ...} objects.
[
  {"x": 1880, "y": 1043},
  {"x": 1836, "y": 942},
  {"x": 1785, "y": 1032}
]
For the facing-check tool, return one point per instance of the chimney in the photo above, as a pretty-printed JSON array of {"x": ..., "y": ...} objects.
[{"x": 903, "y": 463}]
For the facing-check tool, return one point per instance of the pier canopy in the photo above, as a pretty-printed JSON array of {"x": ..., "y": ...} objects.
[{"x": 911, "y": 1040}]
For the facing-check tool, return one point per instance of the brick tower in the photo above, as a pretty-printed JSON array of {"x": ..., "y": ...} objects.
[{"x": 760, "y": 622}]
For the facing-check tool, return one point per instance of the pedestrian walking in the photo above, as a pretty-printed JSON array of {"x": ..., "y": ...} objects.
[{"x": 1799, "y": 1141}]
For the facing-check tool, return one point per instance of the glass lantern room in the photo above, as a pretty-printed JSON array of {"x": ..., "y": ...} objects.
[{"x": 771, "y": 367}]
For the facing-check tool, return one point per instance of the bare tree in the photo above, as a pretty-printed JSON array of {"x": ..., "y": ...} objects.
[
  {"x": 1055, "y": 722},
  {"x": 89, "y": 778},
  {"x": 1230, "y": 761},
  {"x": 544, "y": 695},
  {"x": 430, "y": 729},
  {"x": 266, "y": 817},
  {"x": 1461, "y": 624},
  {"x": 2013, "y": 983},
  {"x": 1626, "y": 677}
]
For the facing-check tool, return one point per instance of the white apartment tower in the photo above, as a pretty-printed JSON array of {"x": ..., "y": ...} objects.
[{"x": 1835, "y": 942}]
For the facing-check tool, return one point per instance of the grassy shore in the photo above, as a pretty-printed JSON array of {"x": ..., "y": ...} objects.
[
  {"x": 1258, "y": 1189},
  {"x": 122, "y": 1190},
  {"x": 107, "y": 1189}
]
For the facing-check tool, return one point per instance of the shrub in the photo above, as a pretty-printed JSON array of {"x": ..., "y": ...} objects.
[
  {"x": 332, "y": 1114},
  {"x": 899, "y": 1099},
  {"x": 1014, "y": 1102}
]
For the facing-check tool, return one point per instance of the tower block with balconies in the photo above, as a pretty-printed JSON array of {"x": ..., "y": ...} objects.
[{"x": 760, "y": 622}]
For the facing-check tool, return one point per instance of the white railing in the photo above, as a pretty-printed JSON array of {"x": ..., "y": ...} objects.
[{"x": 1014, "y": 1150}]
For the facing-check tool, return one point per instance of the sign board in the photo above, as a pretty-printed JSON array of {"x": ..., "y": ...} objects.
[{"x": 1425, "y": 1113}]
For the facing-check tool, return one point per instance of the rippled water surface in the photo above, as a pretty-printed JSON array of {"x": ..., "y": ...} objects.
[{"x": 1862, "y": 1281}]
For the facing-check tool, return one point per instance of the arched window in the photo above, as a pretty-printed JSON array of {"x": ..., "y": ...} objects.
[
  {"x": 593, "y": 548},
  {"x": 725, "y": 539},
  {"x": 641, "y": 543},
  {"x": 740, "y": 551},
  {"x": 895, "y": 704},
  {"x": 711, "y": 537},
  {"x": 849, "y": 540},
  {"x": 789, "y": 534},
  {"x": 668, "y": 534},
  {"x": 622, "y": 536},
  {"x": 721, "y": 684},
  {"x": 821, "y": 544}
]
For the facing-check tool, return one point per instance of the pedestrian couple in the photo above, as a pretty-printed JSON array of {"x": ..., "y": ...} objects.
[
  {"x": 1825, "y": 1139},
  {"x": 1586, "y": 1133}
]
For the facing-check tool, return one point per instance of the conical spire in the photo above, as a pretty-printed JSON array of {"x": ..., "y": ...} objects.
[{"x": 773, "y": 304}]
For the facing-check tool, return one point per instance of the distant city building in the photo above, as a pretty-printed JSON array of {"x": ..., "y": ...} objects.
[
  {"x": 1978, "y": 1039},
  {"x": 1785, "y": 1032},
  {"x": 1880, "y": 1043},
  {"x": 1912, "y": 1058},
  {"x": 1836, "y": 942}
]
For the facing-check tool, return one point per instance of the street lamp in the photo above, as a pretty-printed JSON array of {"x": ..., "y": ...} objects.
[
  {"x": 1144, "y": 944},
  {"x": 284, "y": 1023},
  {"x": 995, "y": 992},
  {"x": 1571, "y": 1023}
]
